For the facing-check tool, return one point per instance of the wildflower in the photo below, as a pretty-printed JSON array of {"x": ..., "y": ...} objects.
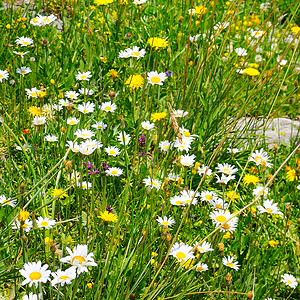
[
  {"x": 269, "y": 207},
  {"x": 87, "y": 92},
  {"x": 182, "y": 252},
  {"x": 295, "y": 29},
  {"x": 26, "y": 225},
  {"x": 208, "y": 195},
  {"x": 3, "y": 75},
  {"x": 228, "y": 261},
  {"x": 189, "y": 196},
  {"x": 183, "y": 144},
  {"x": 156, "y": 78},
  {"x": 99, "y": 125},
  {"x": 157, "y": 43},
  {"x": 273, "y": 243},
  {"x": 187, "y": 160},
  {"x": 125, "y": 53},
  {"x": 107, "y": 216},
  {"x": 84, "y": 185},
  {"x": 124, "y": 138},
  {"x": 172, "y": 176},
  {"x": 152, "y": 183},
  {"x": 86, "y": 108},
  {"x": 139, "y": 2},
  {"x": 250, "y": 179},
  {"x": 113, "y": 151},
  {"x": 251, "y": 72},
  {"x": 218, "y": 203},
  {"x": 59, "y": 193},
  {"x": 179, "y": 113},
  {"x": 201, "y": 267},
  {"x": 204, "y": 170},
  {"x": 158, "y": 116},
  {"x": 226, "y": 169},
  {"x": 32, "y": 296},
  {"x": 108, "y": 106},
  {"x": 24, "y": 41},
  {"x": 80, "y": 258},
  {"x": 35, "y": 111},
  {"x": 260, "y": 191},
  {"x": 83, "y": 76},
  {"x": 136, "y": 52},
  {"x": 72, "y": 95},
  {"x": 103, "y": 2},
  {"x": 32, "y": 93},
  {"x": 25, "y": 147},
  {"x": 35, "y": 273},
  {"x": 63, "y": 277},
  {"x": 291, "y": 175},
  {"x": 198, "y": 10},
  {"x": 232, "y": 195},
  {"x": 241, "y": 51},
  {"x": 224, "y": 179},
  {"x": 51, "y": 138},
  {"x": 23, "y": 71},
  {"x": 114, "y": 172},
  {"x": 135, "y": 81},
  {"x": 169, "y": 73},
  {"x": 147, "y": 125},
  {"x": 165, "y": 221},
  {"x": 84, "y": 133},
  {"x": 257, "y": 34},
  {"x": 45, "y": 223},
  {"x": 204, "y": 247},
  {"x": 7, "y": 201},
  {"x": 87, "y": 147},
  {"x": 177, "y": 200},
  {"x": 289, "y": 280},
  {"x": 165, "y": 146},
  {"x": 23, "y": 215},
  {"x": 72, "y": 121}
]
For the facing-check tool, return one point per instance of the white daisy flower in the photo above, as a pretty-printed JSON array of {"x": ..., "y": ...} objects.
[
  {"x": 83, "y": 76},
  {"x": 136, "y": 52},
  {"x": 289, "y": 280},
  {"x": 73, "y": 146},
  {"x": 183, "y": 144},
  {"x": 204, "y": 170},
  {"x": 152, "y": 183},
  {"x": 187, "y": 133},
  {"x": 208, "y": 195},
  {"x": 79, "y": 258},
  {"x": 24, "y": 41},
  {"x": 87, "y": 147},
  {"x": 241, "y": 51},
  {"x": 269, "y": 207},
  {"x": 108, "y": 106},
  {"x": 228, "y": 261},
  {"x": 27, "y": 226},
  {"x": 23, "y": 71},
  {"x": 7, "y": 201},
  {"x": 182, "y": 252},
  {"x": 71, "y": 95},
  {"x": 165, "y": 221},
  {"x": 45, "y": 222},
  {"x": 124, "y": 139},
  {"x": 194, "y": 38},
  {"x": 218, "y": 203},
  {"x": 39, "y": 121},
  {"x": 226, "y": 169},
  {"x": 147, "y": 125},
  {"x": 257, "y": 34},
  {"x": 189, "y": 196},
  {"x": 125, "y": 53},
  {"x": 177, "y": 200},
  {"x": 3, "y": 75},
  {"x": 204, "y": 247},
  {"x": 113, "y": 151},
  {"x": 187, "y": 160},
  {"x": 173, "y": 177},
  {"x": 224, "y": 179},
  {"x": 21, "y": 54},
  {"x": 72, "y": 121},
  {"x": 87, "y": 92},
  {"x": 139, "y": 2},
  {"x": 63, "y": 277},
  {"x": 179, "y": 113},
  {"x": 220, "y": 216},
  {"x": 156, "y": 78},
  {"x": 258, "y": 191},
  {"x": 99, "y": 125},
  {"x": 114, "y": 171},
  {"x": 51, "y": 138},
  {"x": 84, "y": 185},
  {"x": 165, "y": 146},
  {"x": 201, "y": 267},
  {"x": 260, "y": 157},
  {"x": 84, "y": 133},
  {"x": 86, "y": 108},
  {"x": 32, "y": 93},
  {"x": 64, "y": 102},
  {"x": 34, "y": 273},
  {"x": 32, "y": 296},
  {"x": 25, "y": 147}
]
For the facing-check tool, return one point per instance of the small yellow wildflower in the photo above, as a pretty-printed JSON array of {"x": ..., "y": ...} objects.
[
  {"x": 113, "y": 73},
  {"x": 59, "y": 193},
  {"x": 135, "y": 81},
  {"x": 41, "y": 94},
  {"x": 273, "y": 243},
  {"x": 157, "y": 43},
  {"x": 295, "y": 29},
  {"x": 23, "y": 215},
  {"x": 103, "y": 2},
  {"x": 8, "y": 26},
  {"x": 48, "y": 241},
  {"x": 103, "y": 59},
  {"x": 251, "y": 72},
  {"x": 107, "y": 216},
  {"x": 227, "y": 235},
  {"x": 250, "y": 179},
  {"x": 158, "y": 116},
  {"x": 232, "y": 195},
  {"x": 291, "y": 175},
  {"x": 35, "y": 111},
  {"x": 90, "y": 285},
  {"x": 186, "y": 264}
]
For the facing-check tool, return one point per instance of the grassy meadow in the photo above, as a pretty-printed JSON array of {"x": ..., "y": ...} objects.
[{"x": 123, "y": 171}]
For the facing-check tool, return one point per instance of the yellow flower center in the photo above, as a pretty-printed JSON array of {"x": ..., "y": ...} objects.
[
  {"x": 288, "y": 281},
  {"x": 1, "y": 75},
  {"x": 166, "y": 147},
  {"x": 85, "y": 111},
  {"x": 35, "y": 20},
  {"x": 221, "y": 219},
  {"x": 258, "y": 159},
  {"x": 35, "y": 275},
  {"x": 165, "y": 223},
  {"x": 181, "y": 255},
  {"x": 226, "y": 226},
  {"x": 64, "y": 277},
  {"x": 44, "y": 223},
  {"x": 186, "y": 133},
  {"x": 114, "y": 172},
  {"x": 72, "y": 122},
  {"x": 33, "y": 94},
  {"x": 6, "y": 201},
  {"x": 107, "y": 108},
  {"x": 135, "y": 53},
  {"x": 112, "y": 152},
  {"x": 229, "y": 264},
  {"x": 80, "y": 259},
  {"x": 226, "y": 171},
  {"x": 155, "y": 79},
  {"x": 23, "y": 72},
  {"x": 25, "y": 43},
  {"x": 218, "y": 206},
  {"x": 269, "y": 210},
  {"x": 208, "y": 197},
  {"x": 153, "y": 183},
  {"x": 199, "y": 269},
  {"x": 178, "y": 202},
  {"x": 82, "y": 76}
]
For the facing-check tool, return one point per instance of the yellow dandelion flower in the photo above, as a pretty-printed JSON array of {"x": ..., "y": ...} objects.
[
  {"x": 295, "y": 29},
  {"x": 48, "y": 241},
  {"x": 107, "y": 216},
  {"x": 103, "y": 2},
  {"x": 135, "y": 81},
  {"x": 291, "y": 175},
  {"x": 232, "y": 195},
  {"x": 251, "y": 72},
  {"x": 157, "y": 43},
  {"x": 273, "y": 243},
  {"x": 35, "y": 111},
  {"x": 23, "y": 215},
  {"x": 41, "y": 94},
  {"x": 186, "y": 264},
  {"x": 158, "y": 116},
  {"x": 200, "y": 10},
  {"x": 250, "y": 179},
  {"x": 59, "y": 193}
]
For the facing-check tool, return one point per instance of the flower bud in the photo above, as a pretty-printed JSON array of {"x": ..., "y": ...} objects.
[{"x": 228, "y": 279}]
